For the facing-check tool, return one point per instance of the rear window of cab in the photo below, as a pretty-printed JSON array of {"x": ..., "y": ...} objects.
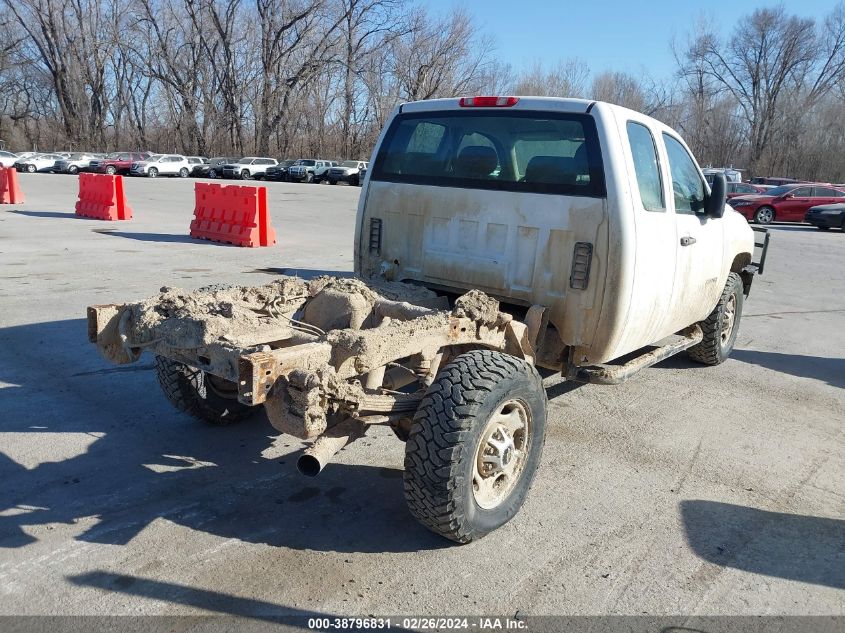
[{"x": 522, "y": 151}]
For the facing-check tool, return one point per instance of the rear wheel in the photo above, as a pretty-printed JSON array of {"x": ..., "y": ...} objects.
[
  {"x": 201, "y": 395},
  {"x": 183, "y": 173},
  {"x": 721, "y": 327},
  {"x": 764, "y": 215},
  {"x": 475, "y": 445}
]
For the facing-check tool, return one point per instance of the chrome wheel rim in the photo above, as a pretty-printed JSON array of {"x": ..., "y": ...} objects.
[
  {"x": 729, "y": 319},
  {"x": 501, "y": 454}
]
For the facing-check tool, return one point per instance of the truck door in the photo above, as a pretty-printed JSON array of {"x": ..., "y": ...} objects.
[
  {"x": 699, "y": 240},
  {"x": 655, "y": 236}
]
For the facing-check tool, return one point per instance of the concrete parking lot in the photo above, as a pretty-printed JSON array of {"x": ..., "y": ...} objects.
[{"x": 688, "y": 490}]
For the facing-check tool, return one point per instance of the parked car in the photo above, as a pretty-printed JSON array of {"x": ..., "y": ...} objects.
[
  {"x": 162, "y": 165},
  {"x": 39, "y": 162},
  {"x": 74, "y": 164},
  {"x": 788, "y": 203},
  {"x": 321, "y": 171},
  {"x": 8, "y": 159},
  {"x": 25, "y": 155},
  {"x": 735, "y": 189},
  {"x": 214, "y": 167},
  {"x": 306, "y": 169},
  {"x": 280, "y": 171},
  {"x": 248, "y": 167},
  {"x": 348, "y": 171},
  {"x": 117, "y": 162},
  {"x": 826, "y": 216},
  {"x": 731, "y": 174},
  {"x": 197, "y": 163}
]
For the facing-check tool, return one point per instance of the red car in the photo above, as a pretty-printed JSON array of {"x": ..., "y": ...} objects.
[
  {"x": 788, "y": 203},
  {"x": 117, "y": 162}
]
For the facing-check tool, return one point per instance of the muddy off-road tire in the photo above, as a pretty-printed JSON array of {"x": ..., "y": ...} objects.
[
  {"x": 475, "y": 445},
  {"x": 721, "y": 327},
  {"x": 191, "y": 391}
]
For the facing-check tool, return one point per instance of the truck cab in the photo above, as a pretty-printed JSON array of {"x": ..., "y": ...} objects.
[{"x": 594, "y": 211}]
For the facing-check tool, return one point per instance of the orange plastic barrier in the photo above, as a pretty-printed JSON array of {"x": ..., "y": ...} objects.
[
  {"x": 101, "y": 197},
  {"x": 232, "y": 214},
  {"x": 10, "y": 190}
]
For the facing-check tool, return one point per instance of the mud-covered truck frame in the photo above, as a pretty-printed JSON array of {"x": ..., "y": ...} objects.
[{"x": 495, "y": 235}]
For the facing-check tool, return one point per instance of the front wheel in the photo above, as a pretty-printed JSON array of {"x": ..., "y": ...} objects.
[
  {"x": 73, "y": 170},
  {"x": 30, "y": 169},
  {"x": 212, "y": 173},
  {"x": 309, "y": 177},
  {"x": 183, "y": 173},
  {"x": 764, "y": 215},
  {"x": 475, "y": 445},
  {"x": 111, "y": 170},
  {"x": 721, "y": 327},
  {"x": 245, "y": 175},
  {"x": 201, "y": 395},
  {"x": 153, "y": 172},
  {"x": 331, "y": 182}
]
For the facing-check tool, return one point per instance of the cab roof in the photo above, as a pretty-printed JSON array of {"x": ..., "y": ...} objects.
[{"x": 557, "y": 104}]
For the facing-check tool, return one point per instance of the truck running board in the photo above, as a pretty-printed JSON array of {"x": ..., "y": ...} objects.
[{"x": 616, "y": 374}]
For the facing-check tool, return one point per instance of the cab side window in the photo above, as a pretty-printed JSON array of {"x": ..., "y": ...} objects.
[
  {"x": 646, "y": 167},
  {"x": 687, "y": 185}
]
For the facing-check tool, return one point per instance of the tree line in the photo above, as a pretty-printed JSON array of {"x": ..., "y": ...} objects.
[{"x": 290, "y": 78}]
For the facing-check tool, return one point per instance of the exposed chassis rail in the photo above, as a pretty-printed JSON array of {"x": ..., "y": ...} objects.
[{"x": 306, "y": 380}]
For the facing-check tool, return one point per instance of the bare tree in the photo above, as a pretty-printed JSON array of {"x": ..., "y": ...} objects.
[
  {"x": 442, "y": 57},
  {"x": 769, "y": 55},
  {"x": 567, "y": 78}
]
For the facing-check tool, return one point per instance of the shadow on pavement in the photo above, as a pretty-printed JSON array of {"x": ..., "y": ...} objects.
[
  {"x": 164, "y": 237},
  {"x": 139, "y": 460},
  {"x": 50, "y": 214},
  {"x": 791, "y": 546},
  {"x": 829, "y": 370},
  {"x": 792, "y": 227},
  {"x": 303, "y": 273},
  {"x": 213, "y": 601}
]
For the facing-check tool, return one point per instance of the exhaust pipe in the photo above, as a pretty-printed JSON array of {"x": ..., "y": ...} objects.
[{"x": 320, "y": 453}]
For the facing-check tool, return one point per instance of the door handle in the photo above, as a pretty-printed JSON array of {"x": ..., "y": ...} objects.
[{"x": 686, "y": 240}]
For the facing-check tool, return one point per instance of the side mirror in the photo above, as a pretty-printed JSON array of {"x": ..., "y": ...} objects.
[{"x": 714, "y": 204}]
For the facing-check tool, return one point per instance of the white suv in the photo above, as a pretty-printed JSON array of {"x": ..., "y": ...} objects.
[
  {"x": 8, "y": 159},
  {"x": 162, "y": 165},
  {"x": 248, "y": 167}
]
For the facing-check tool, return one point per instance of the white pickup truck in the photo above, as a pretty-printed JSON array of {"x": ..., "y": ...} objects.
[{"x": 495, "y": 235}]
